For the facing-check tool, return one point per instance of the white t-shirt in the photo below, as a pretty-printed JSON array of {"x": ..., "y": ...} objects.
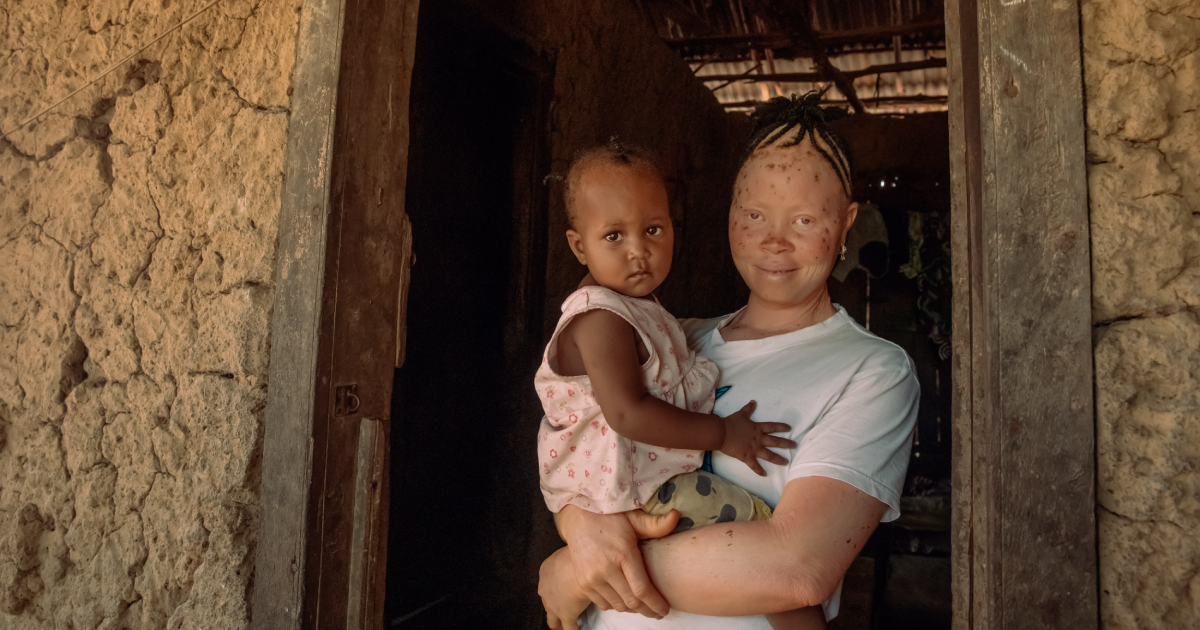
[{"x": 851, "y": 399}]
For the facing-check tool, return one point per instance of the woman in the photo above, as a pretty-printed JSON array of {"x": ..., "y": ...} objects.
[{"x": 850, "y": 397}]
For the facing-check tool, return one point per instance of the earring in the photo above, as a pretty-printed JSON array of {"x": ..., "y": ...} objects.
[{"x": 842, "y": 255}]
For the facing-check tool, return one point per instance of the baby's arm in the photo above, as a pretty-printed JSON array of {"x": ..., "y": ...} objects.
[{"x": 606, "y": 346}]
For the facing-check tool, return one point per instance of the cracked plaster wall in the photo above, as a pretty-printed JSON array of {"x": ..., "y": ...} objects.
[
  {"x": 137, "y": 251},
  {"x": 1142, "y": 78}
]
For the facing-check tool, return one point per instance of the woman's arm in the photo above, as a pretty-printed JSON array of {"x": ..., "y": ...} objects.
[
  {"x": 591, "y": 536},
  {"x": 796, "y": 559},
  {"x": 607, "y": 347}
]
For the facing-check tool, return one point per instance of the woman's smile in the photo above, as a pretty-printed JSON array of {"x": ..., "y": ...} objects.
[
  {"x": 776, "y": 272},
  {"x": 787, "y": 224}
]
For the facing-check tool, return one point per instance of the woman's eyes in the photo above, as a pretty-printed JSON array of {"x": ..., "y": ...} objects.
[
  {"x": 613, "y": 237},
  {"x": 654, "y": 231}
]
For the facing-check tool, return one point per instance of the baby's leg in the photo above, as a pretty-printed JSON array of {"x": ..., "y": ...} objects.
[
  {"x": 811, "y": 618},
  {"x": 646, "y": 525},
  {"x": 703, "y": 498}
]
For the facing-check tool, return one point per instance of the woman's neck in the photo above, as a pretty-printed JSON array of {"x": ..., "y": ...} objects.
[{"x": 762, "y": 318}]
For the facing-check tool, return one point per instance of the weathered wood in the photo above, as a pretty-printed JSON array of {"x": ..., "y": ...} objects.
[
  {"x": 377, "y": 528},
  {"x": 963, "y": 72},
  {"x": 338, "y": 254},
  {"x": 1025, "y": 554},
  {"x": 363, "y": 280},
  {"x": 367, "y": 475},
  {"x": 406, "y": 260},
  {"x": 291, "y": 405}
]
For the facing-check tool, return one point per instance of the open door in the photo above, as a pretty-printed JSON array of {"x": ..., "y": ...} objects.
[
  {"x": 464, "y": 478},
  {"x": 343, "y": 255}
]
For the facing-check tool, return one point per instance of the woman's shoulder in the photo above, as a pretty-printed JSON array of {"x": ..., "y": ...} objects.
[
  {"x": 698, "y": 328},
  {"x": 873, "y": 351}
]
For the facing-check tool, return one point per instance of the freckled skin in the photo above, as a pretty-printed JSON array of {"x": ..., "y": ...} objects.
[{"x": 785, "y": 232}]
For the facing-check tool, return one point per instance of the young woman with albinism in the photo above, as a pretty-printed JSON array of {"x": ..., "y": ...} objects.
[{"x": 850, "y": 397}]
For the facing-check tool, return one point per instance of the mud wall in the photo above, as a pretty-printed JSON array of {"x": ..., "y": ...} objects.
[
  {"x": 137, "y": 240},
  {"x": 1142, "y": 76}
]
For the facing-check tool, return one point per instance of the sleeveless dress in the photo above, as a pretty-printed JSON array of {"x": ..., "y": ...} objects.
[{"x": 582, "y": 461}]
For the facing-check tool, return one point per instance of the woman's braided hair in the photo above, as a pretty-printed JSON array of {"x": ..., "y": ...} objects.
[{"x": 784, "y": 122}]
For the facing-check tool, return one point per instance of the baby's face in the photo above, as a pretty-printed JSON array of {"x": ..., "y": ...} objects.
[{"x": 623, "y": 229}]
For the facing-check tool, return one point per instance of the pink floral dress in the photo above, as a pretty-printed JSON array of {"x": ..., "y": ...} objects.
[{"x": 583, "y": 461}]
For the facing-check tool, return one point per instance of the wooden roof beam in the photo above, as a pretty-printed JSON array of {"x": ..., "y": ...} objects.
[
  {"x": 810, "y": 77},
  {"x": 882, "y": 100},
  {"x": 826, "y": 40}
]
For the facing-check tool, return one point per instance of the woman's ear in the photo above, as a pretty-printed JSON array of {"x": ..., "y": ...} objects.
[
  {"x": 851, "y": 215},
  {"x": 576, "y": 243}
]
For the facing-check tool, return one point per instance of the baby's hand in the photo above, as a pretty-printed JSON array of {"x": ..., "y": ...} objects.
[{"x": 748, "y": 440}]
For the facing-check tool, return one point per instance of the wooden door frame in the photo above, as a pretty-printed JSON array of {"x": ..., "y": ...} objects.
[
  {"x": 322, "y": 538},
  {"x": 1024, "y": 550},
  {"x": 1024, "y": 532}
]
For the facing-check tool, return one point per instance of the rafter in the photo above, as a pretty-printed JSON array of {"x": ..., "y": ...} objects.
[
  {"x": 788, "y": 40},
  {"x": 882, "y": 100},
  {"x": 809, "y": 77}
]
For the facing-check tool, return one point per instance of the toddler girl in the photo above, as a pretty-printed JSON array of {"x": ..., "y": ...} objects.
[{"x": 627, "y": 404}]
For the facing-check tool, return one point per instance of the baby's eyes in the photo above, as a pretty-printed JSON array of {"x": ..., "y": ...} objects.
[
  {"x": 804, "y": 220},
  {"x": 754, "y": 216},
  {"x": 613, "y": 237},
  {"x": 654, "y": 231}
]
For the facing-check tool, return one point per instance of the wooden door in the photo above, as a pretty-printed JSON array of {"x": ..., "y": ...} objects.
[
  {"x": 344, "y": 253},
  {"x": 1024, "y": 530}
]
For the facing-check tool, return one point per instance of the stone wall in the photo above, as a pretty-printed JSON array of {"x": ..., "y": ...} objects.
[
  {"x": 1142, "y": 76},
  {"x": 137, "y": 251}
]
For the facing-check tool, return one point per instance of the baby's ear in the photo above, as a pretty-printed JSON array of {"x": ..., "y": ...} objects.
[{"x": 576, "y": 243}]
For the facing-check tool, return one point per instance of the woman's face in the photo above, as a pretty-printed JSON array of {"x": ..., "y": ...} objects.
[{"x": 787, "y": 223}]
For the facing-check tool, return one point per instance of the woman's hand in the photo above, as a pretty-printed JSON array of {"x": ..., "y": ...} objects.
[
  {"x": 748, "y": 440},
  {"x": 561, "y": 596},
  {"x": 605, "y": 563}
]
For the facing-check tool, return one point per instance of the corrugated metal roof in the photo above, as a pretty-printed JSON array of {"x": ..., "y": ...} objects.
[
  {"x": 727, "y": 38},
  {"x": 897, "y": 92}
]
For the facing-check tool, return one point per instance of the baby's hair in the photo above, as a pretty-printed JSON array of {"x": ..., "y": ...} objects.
[
  {"x": 614, "y": 153},
  {"x": 784, "y": 122}
]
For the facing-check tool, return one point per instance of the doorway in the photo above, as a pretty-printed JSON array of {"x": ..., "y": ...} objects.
[
  {"x": 462, "y": 485},
  {"x": 1022, "y": 402}
]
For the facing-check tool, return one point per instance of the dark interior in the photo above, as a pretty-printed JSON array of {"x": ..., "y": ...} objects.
[{"x": 460, "y": 490}]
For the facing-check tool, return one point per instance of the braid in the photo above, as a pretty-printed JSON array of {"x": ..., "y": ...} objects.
[{"x": 785, "y": 122}]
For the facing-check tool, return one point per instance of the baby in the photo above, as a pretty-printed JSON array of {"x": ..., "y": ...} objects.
[{"x": 627, "y": 404}]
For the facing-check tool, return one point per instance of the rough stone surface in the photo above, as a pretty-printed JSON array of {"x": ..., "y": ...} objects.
[
  {"x": 138, "y": 226},
  {"x": 1143, "y": 119}
]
